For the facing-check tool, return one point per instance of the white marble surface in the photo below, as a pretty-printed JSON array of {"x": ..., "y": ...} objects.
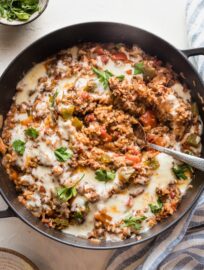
[{"x": 164, "y": 18}]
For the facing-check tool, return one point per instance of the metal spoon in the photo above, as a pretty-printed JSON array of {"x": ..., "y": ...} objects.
[{"x": 193, "y": 161}]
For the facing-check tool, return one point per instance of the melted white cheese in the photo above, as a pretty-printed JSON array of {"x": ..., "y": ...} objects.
[
  {"x": 117, "y": 206},
  {"x": 17, "y": 133},
  {"x": 178, "y": 88},
  {"x": 163, "y": 176},
  {"x": 116, "y": 69},
  {"x": 21, "y": 116},
  {"x": 35, "y": 201},
  {"x": 66, "y": 129},
  {"x": 29, "y": 83},
  {"x": 89, "y": 181},
  {"x": 43, "y": 174},
  {"x": 173, "y": 103},
  {"x": 84, "y": 229},
  {"x": 46, "y": 154}
]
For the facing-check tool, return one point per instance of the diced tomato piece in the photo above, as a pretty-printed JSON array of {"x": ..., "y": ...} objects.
[
  {"x": 148, "y": 119},
  {"x": 13, "y": 174},
  {"x": 135, "y": 159},
  {"x": 105, "y": 135},
  {"x": 129, "y": 71},
  {"x": 119, "y": 56},
  {"x": 155, "y": 139},
  {"x": 104, "y": 59},
  {"x": 152, "y": 153},
  {"x": 133, "y": 151},
  {"x": 42, "y": 189},
  {"x": 99, "y": 50},
  {"x": 85, "y": 95},
  {"x": 90, "y": 117},
  {"x": 172, "y": 195}
]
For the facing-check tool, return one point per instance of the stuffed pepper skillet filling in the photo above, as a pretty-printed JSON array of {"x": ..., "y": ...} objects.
[{"x": 69, "y": 141}]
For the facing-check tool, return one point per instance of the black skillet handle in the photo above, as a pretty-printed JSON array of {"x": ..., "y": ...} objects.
[
  {"x": 193, "y": 52},
  {"x": 6, "y": 213}
]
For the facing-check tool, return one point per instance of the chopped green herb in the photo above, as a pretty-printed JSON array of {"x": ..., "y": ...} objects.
[
  {"x": 180, "y": 171},
  {"x": 121, "y": 77},
  {"x": 66, "y": 193},
  {"x": 52, "y": 98},
  {"x": 103, "y": 175},
  {"x": 18, "y": 9},
  {"x": 63, "y": 154},
  {"x": 155, "y": 208},
  {"x": 78, "y": 216},
  {"x": 139, "y": 68},
  {"x": 32, "y": 132},
  {"x": 19, "y": 147},
  {"x": 134, "y": 222},
  {"x": 103, "y": 76}
]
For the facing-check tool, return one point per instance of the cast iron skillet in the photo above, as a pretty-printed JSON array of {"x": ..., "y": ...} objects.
[{"x": 97, "y": 32}]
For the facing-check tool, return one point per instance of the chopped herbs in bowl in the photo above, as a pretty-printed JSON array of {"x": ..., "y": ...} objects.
[{"x": 18, "y": 12}]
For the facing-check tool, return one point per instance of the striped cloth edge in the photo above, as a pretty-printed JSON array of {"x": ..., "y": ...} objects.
[{"x": 182, "y": 246}]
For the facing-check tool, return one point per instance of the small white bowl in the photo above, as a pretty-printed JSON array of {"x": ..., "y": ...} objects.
[{"x": 42, "y": 4}]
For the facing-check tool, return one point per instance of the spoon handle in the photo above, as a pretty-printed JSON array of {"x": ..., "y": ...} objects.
[{"x": 193, "y": 161}]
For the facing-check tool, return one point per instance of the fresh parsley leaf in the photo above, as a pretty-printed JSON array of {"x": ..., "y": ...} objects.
[
  {"x": 63, "y": 154},
  {"x": 52, "y": 98},
  {"x": 139, "y": 68},
  {"x": 103, "y": 76},
  {"x": 134, "y": 222},
  {"x": 121, "y": 77},
  {"x": 19, "y": 147},
  {"x": 103, "y": 175},
  {"x": 155, "y": 208},
  {"x": 78, "y": 216},
  {"x": 32, "y": 132},
  {"x": 180, "y": 171},
  {"x": 66, "y": 193}
]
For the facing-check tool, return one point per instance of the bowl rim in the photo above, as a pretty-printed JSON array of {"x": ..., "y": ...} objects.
[
  {"x": 19, "y": 255},
  {"x": 38, "y": 14}
]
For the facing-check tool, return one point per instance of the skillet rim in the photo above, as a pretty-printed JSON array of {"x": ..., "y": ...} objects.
[{"x": 89, "y": 245}]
